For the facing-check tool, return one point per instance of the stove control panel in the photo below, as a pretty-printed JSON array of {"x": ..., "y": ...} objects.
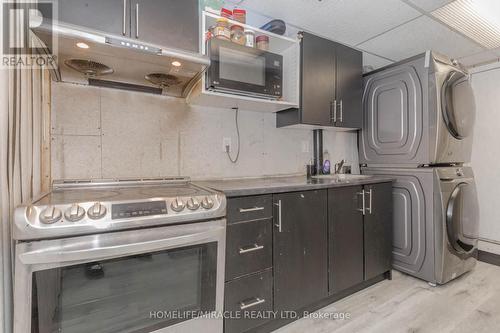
[
  {"x": 70, "y": 219},
  {"x": 138, "y": 209}
]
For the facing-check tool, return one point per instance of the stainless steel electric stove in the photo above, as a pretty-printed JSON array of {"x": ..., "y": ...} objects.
[{"x": 142, "y": 255}]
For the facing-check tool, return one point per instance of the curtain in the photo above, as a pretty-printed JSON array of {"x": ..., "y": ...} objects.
[{"x": 23, "y": 134}]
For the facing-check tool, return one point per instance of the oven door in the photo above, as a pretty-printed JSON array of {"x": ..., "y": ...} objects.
[
  {"x": 167, "y": 279},
  {"x": 244, "y": 70}
]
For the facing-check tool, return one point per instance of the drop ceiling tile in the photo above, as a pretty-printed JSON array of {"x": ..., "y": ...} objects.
[
  {"x": 429, "y": 5},
  {"x": 478, "y": 58},
  {"x": 374, "y": 61},
  {"x": 418, "y": 36},
  {"x": 350, "y": 22}
]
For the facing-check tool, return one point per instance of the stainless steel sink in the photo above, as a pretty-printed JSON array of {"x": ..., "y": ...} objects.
[{"x": 342, "y": 178}]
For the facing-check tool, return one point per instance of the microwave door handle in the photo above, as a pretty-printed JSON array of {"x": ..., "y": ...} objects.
[{"x": 118, "y": 245}]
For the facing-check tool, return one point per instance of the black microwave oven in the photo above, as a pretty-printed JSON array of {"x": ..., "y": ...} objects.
[{"x": 243, "y": 70}]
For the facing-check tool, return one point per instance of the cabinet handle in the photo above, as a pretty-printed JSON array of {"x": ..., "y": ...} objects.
[
  {"x": 124, "y": 29},
  {"x": 253, "y": 302},
  {"x": 137, "y": 20},
  {"x": 279, "y": 215},
  {"x": 253, "y": 209},
  {"x": 362, "y": 194},
  {"x": 370, "y": 193},
  {"x": 341, "y": 111},
  {"x": 252, "y": 248}
]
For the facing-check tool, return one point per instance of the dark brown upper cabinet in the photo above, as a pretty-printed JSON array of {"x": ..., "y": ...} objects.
[
  {"x": 331, "y": 85},
  {"x": 170, "y": 23}
]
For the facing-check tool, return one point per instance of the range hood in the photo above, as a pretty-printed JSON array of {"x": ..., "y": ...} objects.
[{"x": 117, "y": 62}]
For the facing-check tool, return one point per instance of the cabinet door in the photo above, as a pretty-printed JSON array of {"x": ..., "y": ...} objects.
[
  {"x": 349, "y": 87},
  {"x": 111, "y": 16},
  {"x": 345, "y": 238},
  {"x": 378, "y": 229},
  {"x": 300, "y": 249},
  {"x": 170, "y": 23},
  {"x": 317, "y": 80}
]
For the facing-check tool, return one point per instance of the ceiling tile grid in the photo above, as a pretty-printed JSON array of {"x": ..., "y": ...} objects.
[
  {"x": 417, "y": 36},
  {"x": 347, "y": 21},
  {"x": 385, "y": 29},
  {"x": 429, "y": 5}
]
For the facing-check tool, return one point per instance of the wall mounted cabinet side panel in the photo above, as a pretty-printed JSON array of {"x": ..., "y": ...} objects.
[
  {"x": 345, "y": 242},
  {"x": 413, "y": 229},
  {"x": 300, "y": 249},
  {"x": 106, "y": 16},
  {"x": 349, "y": 86},
  {"x": 378, "y": 230},
  {"x": 317, "y": 79},
  {"x": 169, "y": 23}
]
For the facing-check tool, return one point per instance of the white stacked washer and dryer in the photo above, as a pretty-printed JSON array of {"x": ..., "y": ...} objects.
[{"x": 417, "y": 128}]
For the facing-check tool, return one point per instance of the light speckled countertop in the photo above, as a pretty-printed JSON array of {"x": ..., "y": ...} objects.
[{"x": 257, "y": 186}]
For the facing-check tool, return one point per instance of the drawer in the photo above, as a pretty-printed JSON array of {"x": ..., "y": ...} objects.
[
  {"x": 249, "y": 208},
  {"x": 245, "y": 296},
  {"x": 248, "y": 247}
]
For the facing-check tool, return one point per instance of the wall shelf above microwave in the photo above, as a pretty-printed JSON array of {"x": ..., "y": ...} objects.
[
  {"x": 286, "y": 47},
  {"x": 277, "y": 43}
]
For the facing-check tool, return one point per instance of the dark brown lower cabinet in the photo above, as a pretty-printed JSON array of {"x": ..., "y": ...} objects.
[
  {"x": 345, "y": 232},
  {"x": 300, "y": 249},
  {"x": 248, "y": 247},
  {"x": 378, "y": 229},
  {"x": 319, "y": 246},
  {"x": 248, "y": 297}
]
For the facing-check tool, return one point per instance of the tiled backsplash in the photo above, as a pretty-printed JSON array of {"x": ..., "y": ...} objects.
[{"x": 105, "y": 133}]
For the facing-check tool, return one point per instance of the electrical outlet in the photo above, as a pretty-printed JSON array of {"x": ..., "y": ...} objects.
[{"x": 226, "y": 142}]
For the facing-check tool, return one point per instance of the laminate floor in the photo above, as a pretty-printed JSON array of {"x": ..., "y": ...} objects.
[{"x": 469, "y": 304}]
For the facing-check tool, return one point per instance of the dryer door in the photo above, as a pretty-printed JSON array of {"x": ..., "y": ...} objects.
[
  {"x": 462, "y": 217},
  {"x": 458, "y": 105}
]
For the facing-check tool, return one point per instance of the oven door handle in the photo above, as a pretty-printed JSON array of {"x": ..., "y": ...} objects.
[{"x": 119, "y": 244}]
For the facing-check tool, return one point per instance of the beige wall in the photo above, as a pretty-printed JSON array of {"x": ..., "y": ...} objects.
[{"x": 105, "y": 133}]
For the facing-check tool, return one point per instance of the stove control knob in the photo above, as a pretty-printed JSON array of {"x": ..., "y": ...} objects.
[
  {"x": 74, "y": 213},
  {"x": 207, "y": 203},
  {"x": 178, "y": 205},
  {"x": 97, "y": 211},
  {"x": 50, "y": 215},
  {"x": 193, "y": 204}
]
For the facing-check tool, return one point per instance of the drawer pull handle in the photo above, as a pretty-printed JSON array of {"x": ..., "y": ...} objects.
[
  {"x": 254, "y": 302},
  {"x": 253, "y": 209},
  {"x": 252, "y": 248}
]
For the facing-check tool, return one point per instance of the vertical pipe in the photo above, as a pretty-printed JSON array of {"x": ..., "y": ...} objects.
[{"x": 318, "y": 150}]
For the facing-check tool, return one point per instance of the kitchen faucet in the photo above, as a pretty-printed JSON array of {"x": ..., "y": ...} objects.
[{"x": 338, "y": 167}]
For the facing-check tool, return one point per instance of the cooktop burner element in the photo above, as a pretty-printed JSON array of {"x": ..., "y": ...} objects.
[{"x": 86, "y": 207}]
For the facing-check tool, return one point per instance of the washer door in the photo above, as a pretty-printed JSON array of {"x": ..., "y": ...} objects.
[
  {"x": 458, "y": 105},
  {"x": 462, "y": 218}
]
